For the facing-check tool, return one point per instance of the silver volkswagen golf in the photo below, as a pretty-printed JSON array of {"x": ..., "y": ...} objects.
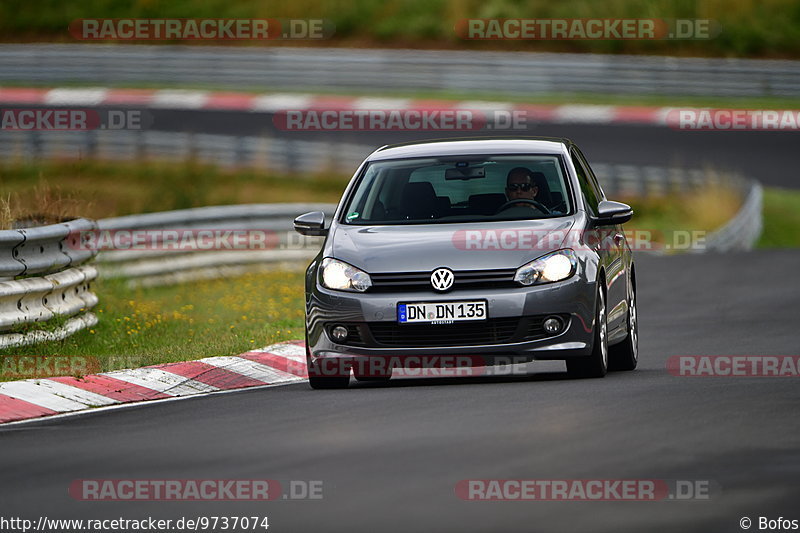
[{"x": 470, "y": 252}]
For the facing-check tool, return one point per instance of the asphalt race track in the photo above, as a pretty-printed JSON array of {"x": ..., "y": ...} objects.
[
  {"x": 389, "y": 456},
  {"x": 767, "y": 156}
]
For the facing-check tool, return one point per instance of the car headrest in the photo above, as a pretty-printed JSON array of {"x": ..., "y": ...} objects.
[
  {"x": 419, "y": 200},
  {"x": 543, "y": 195}
]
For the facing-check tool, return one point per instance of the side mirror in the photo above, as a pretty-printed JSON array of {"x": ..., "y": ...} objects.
[
  {"x": 612, "y": 213},
  {"x": 311, "y": 224}
]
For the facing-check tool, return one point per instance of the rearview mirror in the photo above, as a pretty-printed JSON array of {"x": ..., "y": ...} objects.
[
  {"x": 611, "y": 213},
  {"x": 464, "y": 173},
  {"x": 311, "y": 224}
]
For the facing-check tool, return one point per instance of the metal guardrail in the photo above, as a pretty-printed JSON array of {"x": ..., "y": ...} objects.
[
  {"x": 395, "y": 70},
  {"x": 168, "y": 265},
  {"x": 44, "y": 249},
  {"x": 70, "y": 327},
  {"x": 633, "y": 181},
  {"x": 287, "y": 156},
  {"x": 743, "y": 230},
  {"x": 161, "y": 266},
  {"x": 52, "y": 284},
  {"x": 268, "y": 153}
]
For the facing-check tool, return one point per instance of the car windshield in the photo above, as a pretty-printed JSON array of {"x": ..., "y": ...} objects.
[{"x": 459, "y": 189}]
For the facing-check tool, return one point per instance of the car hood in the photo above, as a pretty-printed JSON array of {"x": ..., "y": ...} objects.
[{"x": 472, "y": 246}]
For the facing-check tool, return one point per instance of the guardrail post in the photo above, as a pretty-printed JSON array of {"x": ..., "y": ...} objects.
[
  {"x": 90, "y": 144},
  {"x": 140, "y": 145},
  {"x": 242, "y": 156},
  {"x": 35, "y": 141},
  {"x": 291, "y": 157}
]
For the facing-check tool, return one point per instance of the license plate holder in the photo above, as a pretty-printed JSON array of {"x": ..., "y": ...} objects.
[{"x": 446, "y": 312}]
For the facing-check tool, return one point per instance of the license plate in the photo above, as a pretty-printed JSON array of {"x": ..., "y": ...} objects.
[{"x": 441, "y": 312}]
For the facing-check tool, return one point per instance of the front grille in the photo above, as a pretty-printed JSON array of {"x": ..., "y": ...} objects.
[
  {"x": 464, "y": 279},
  {"x": 470, "y": 333},
  {"x": 491, "y": 331}
]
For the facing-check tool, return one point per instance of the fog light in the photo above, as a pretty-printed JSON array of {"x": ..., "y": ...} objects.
[
  {"x": 339, "y": 333},
  {"x": 552, "y": 325}
]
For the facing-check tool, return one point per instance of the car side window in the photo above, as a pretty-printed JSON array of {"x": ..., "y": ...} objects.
[
  {"x": 593, "y": 181},
  {"x": 589, "y": 192}
]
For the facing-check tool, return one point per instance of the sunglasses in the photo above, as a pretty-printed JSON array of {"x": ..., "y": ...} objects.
[{"x": 525, "y": 187}]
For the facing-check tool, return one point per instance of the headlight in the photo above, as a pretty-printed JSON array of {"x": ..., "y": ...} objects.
[
  {"x": 552, "y": 267},
  {"x": 340, "y": 276}
]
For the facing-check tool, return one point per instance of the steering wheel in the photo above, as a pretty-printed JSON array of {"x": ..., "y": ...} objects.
[{"x": 534, "y": 203}]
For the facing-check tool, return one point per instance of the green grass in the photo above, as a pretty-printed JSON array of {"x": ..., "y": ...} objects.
[
  {"x": 781, "y": 219},
  {"x": 97, "y": 189},
  {"x": 676, "y": 220},
  {"x": 756, "y": 28},
  {"x": 146, "y": 326}
]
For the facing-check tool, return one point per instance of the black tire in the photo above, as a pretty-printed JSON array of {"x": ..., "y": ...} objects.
[
  {"x": 317, "y": 378},
  {"x": 595, "y": 365},
  {"x": 328, "y": 382},
  {"x": 364, "y": 370},
  {"x": 625, "y": 355}
]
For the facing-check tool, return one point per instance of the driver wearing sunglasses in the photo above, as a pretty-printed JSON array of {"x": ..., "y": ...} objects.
[{"x": 520, "y": 186}]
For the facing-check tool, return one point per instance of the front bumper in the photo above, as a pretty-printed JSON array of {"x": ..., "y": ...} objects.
[{"x": 574, "y": 299}]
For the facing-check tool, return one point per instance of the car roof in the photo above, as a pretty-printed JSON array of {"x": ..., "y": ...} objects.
[{"x": 450, "y": 147}]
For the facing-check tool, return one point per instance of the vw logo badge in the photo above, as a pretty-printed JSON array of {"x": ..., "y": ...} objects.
[{"x": 442, "y": 279}]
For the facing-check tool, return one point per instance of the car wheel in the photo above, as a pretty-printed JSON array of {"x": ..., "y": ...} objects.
[
  {"x": 328, "y": 382},
  {"x": 318, "y": 380},
  {"x": 595, "y": 365},
  {"x": 625, "y": 355},
  {"x": 317, "y": 377}
]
